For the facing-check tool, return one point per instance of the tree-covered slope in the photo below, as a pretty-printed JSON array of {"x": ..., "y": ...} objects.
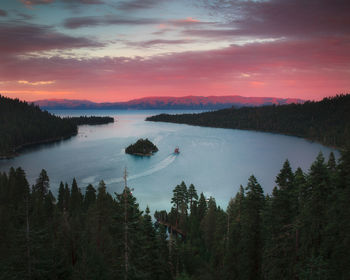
[
  {"x": 326, "y": 121},
  {"x": 90, "y": 120},
  {"x": 300, "y": 231},
  {"x": 22, "y": 123}
]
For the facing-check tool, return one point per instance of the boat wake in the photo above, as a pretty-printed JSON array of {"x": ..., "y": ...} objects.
[{"x": 159, "y": 166}]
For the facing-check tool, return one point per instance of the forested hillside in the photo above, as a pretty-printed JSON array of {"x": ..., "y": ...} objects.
[
  {"x": 90, "y": 120},
  {"x": 24, "y": 124},
  {"x": 326, "y": 121},
  {"x": 300, "y": 231}
]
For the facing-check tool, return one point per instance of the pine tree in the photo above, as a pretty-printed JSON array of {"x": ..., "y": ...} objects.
[
  {"x": 338, "y": 232},
  {"x": 280, "y": 251},
  {"x": 90, "y": 197},
  {"x": 313, "y": 219},
  {"x": 209, "y": 224},
  {"x": 164, "y": 272},
  {"x": 252, "y": 231},
  {"x": 234, "y": 249},
  {"x": 192, "y": 196},
  {"x": 331, "y": 164},
  {"x": 180, "y": 201},
  {"x": 151, "y": 262},
  {"x": 41, "y": 187},
  {"x": 76, "y": 199},
  {"x": 202, "y": 207},
  {"x": 61, "y": 197},
  {"x": 128, "y": 226}
]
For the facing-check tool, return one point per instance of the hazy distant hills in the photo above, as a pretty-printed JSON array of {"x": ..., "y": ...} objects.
[{"x": 186, "y": 102}]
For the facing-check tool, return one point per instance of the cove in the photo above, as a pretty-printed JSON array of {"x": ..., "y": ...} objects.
[{"x": 217, "y": 161}]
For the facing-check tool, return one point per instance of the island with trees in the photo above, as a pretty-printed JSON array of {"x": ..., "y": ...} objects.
[
  {"x": 143, "y": 147},
  {"x": 325, "y": 121},
  {"x": 23, "y": 124}
]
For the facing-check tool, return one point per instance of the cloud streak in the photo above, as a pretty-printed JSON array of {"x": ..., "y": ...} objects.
[
  {"x": 78, "y": 22},
  {"x": 36, "y": 2},
  {"x": 3, "y": 13},
  {"x": 138, "y": 4},
  {"x": 39, "y": 83},
  {"x": 44, "y": 2},
  {"x": 284, "y": 68},
  {"x": 152, "y": 43},
  {"x": 276, "y": 18},
  {"x": 92, "y": 21},
  {"x": 23, "y": 38},
  {"x": 88, "y": 2}
]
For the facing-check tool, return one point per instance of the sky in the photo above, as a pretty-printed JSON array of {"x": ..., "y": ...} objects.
[{"x": 117, "y": 50}]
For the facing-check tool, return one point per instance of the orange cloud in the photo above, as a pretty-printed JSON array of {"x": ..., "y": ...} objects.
[
  {"x": 189, "y": 19},
  {"x": 257, "y": 84},
  {"x": 36, "y": 2}
]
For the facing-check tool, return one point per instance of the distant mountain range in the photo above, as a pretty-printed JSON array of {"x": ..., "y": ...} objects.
[{"x": 186, "y": 102}]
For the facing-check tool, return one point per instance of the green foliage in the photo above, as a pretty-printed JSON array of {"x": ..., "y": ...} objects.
[
  {"x": 325, "y": 121},
  {"x": 142, "y": 147}
]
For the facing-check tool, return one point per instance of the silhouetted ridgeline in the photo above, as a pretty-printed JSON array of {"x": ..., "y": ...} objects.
[
  {"x": 23, "y": 124},
  {"x": 91, "y": 120},
  {"x": 300, "y": 231},
  {"x": 168, "y": 102},
  {"x": 326, "y": 121}
]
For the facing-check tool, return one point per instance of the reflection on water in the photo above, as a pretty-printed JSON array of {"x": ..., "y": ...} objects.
[{"x": 216, "y": 161}]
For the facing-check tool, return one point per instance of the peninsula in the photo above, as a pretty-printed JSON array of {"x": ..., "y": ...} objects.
[{"x": 23, "y": 125}]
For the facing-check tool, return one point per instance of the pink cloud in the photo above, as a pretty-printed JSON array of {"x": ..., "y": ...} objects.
[{"x": 317, "y": 68}]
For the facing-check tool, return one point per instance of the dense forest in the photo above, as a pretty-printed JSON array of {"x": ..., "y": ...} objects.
[
  {"x": 90, "y": 120},
  {"x": 326, "y": 121},
  {"x": 23, "y": 124},
  {"x": 300, "y": 231},
  {"x": 142, "y": 147}
]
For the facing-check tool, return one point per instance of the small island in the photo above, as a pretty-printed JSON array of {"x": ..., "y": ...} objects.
[{"x": 143, "y": 147}]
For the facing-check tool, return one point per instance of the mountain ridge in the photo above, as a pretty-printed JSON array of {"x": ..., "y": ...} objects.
[{"x": 168, "y": 102}]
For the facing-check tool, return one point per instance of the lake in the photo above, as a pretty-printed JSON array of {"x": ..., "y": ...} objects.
[{"x": 217, "y": 161}]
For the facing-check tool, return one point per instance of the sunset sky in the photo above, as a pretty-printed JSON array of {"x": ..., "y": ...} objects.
[{"x": 117, "y": 50}]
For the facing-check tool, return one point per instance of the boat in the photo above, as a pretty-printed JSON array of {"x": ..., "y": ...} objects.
[{"x": 176, "y": 151}]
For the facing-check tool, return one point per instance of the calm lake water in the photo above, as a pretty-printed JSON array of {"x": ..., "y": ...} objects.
[{"x": 217, "y": 161}]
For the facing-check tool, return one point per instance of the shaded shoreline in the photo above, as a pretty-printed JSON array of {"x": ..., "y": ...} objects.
[
  {"x": 323, "y": 121},
  {"x": 16, "y": 150},
  {"x": 141, "y": 155},
  {"x": 248, "y": 129}
]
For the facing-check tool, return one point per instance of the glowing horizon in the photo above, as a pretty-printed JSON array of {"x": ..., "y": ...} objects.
[{"x": 113, "y": 51}]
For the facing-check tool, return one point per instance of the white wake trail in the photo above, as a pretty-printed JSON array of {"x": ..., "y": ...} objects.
[{"x": 159, "y": 166}]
